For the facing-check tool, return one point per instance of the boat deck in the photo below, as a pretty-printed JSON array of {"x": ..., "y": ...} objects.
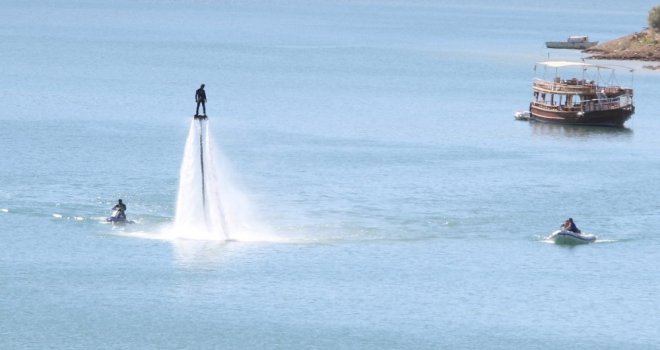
[{"x": 576, "y": 87}]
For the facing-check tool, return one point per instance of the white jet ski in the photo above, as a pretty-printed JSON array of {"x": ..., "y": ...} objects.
[{"x": 570, "y": 237}]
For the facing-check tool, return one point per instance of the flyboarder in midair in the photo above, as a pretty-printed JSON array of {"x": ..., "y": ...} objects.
[{"x": 200, "y": 98}]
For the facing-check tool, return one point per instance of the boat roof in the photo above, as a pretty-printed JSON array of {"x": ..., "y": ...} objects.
[{"x": 561, "y": 64}]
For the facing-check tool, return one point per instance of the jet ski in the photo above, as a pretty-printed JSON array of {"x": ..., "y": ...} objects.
[
  {"x": 571, "y": 238},
  {"x": 118, "y": 219}
]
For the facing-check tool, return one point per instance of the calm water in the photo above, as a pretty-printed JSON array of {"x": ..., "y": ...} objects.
[{"x": 402, "y": 204}]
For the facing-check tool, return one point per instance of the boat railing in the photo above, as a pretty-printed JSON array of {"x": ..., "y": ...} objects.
[
  {"x": 578, "y": 87},
  {"x": 615, "y": 90},
  {"x": 610, "y": 89},
  {"x": 557, "y": 107},
  {"x": 572, "y": 86},
  {"x": 602, "y": 104}
]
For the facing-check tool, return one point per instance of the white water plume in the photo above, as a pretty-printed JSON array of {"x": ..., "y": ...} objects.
[{"x": 209, "y": 205}]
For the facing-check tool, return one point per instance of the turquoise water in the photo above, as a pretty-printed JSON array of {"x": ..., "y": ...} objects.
[{"x": 400, "y": 204}]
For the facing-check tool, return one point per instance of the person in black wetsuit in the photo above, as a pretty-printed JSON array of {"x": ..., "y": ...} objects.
[
  {"x": 122, "y": 210},
  {"x": 569, "y": 225},
  {"x": 200, "y": 98}
]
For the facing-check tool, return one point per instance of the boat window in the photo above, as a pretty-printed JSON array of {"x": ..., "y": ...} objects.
[{"x": 577, "y": 101}]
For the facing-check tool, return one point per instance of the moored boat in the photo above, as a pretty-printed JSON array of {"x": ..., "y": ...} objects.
[
  {"x": 575, "y": 42},
  {"x": 522, "y": 115},
  {"x": 582, "y": 101}
]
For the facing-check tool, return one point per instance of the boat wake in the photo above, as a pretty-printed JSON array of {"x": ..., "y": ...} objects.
[
  {"x": 176, "y": 235},
  {"x": 570, "y": 239}
]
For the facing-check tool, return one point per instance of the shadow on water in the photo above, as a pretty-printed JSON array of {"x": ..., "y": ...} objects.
[{"x": 579, "y": 131}]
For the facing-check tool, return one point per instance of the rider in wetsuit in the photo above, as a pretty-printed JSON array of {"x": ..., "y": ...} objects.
[
  {"x": 569, "y": 225},
  {"x": 200, "y": 98},
  {"x": 121, "y": 207}
]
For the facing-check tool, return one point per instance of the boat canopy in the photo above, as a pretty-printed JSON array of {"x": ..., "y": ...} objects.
[{"x": 561, "y": 64}]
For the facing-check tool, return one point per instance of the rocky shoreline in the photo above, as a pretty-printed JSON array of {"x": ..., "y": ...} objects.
[{"x": 640, "y": 46}]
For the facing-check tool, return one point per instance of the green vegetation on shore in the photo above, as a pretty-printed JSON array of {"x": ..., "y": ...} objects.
[{"x": 654, "y": 18}]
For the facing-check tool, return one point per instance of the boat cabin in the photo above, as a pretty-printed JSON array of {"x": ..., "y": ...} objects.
[{"x": 578, "y": 39}]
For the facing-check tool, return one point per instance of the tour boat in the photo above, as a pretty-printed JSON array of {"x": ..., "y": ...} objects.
[{"x": 585, "y": 100}]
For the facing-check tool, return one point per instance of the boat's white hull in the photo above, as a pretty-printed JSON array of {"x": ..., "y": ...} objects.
[
  {"x": 570, "y": 45},
  {"x": 568, "y": 237}
]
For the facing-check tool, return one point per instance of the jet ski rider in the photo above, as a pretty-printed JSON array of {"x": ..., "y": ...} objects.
[{"x": 121, "y": 207}]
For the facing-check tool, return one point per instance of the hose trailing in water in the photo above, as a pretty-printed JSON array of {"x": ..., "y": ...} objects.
[{"x": 201, "y": 156}]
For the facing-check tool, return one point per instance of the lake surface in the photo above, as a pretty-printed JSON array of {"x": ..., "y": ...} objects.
[{"x": 395, "y": 202}]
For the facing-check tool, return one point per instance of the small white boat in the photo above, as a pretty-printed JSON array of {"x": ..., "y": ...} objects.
[
  {"x": 522, "y": 115},
  {"x": 571, "y": 238}
]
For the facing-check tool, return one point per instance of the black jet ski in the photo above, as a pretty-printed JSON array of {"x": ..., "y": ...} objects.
[{"x": 118, "y": 218}]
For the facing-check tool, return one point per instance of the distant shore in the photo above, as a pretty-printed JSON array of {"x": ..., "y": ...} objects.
[{"x": 641, "y": 46}]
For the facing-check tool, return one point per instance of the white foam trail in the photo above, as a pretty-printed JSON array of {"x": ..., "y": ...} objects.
[
  {"x": 218, "y": 188},
  {"x": 189, "y": 207},
  {"x": 218, "y": 210}
]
